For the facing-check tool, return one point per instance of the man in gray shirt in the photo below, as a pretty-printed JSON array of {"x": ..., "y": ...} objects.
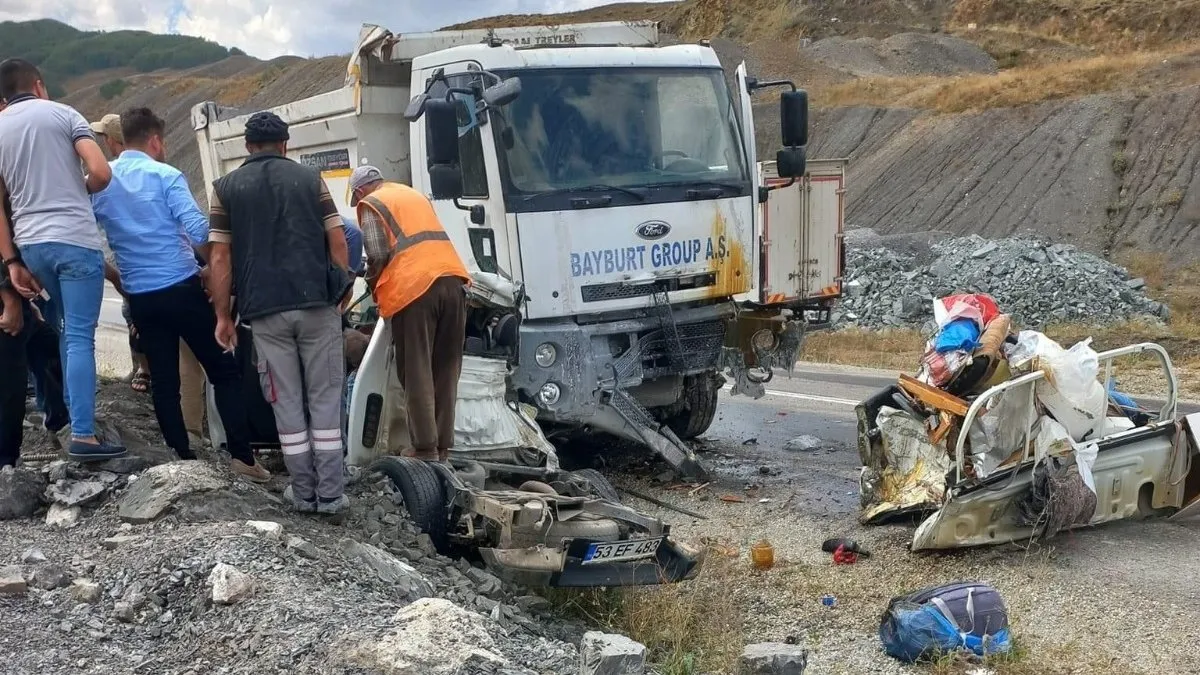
[{"x": 55, "y": 243}]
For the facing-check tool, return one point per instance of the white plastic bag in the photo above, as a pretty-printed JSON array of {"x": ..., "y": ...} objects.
[
  {"x": 1053, "y": 439},
  {"x": 1071, "y": 391}
]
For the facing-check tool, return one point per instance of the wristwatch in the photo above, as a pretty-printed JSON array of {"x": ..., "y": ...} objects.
[{"x": 13, "y": 260}]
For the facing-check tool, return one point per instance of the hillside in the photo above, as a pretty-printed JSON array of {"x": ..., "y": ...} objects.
[
  {"x": 62, "y": 52},
  {"x": 1065, "y": 118}
]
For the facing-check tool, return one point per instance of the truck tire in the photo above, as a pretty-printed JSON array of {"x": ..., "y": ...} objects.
[
  {"x": 601, "y": 487},
  {"x": 699, "y": 407},
  {"x": 423, "y": 494}
]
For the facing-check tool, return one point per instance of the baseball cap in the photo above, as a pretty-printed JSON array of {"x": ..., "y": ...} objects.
[
  {"x": 109, "y": 125},
  {"x": 363, "y": 175}
]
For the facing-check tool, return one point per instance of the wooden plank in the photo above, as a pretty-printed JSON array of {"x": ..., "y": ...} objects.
[
  {"x": 933, "y": 397},
  {"x": 939, "y": 433}
]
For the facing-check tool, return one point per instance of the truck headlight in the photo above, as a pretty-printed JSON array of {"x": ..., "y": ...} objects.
[
  {"x": 545, "y": 355},
  {"x": 549, "y": 393}
]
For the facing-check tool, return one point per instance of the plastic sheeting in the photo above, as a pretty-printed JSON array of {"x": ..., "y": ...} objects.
[
  {"x": 1002, "y": 430},
  {"x": 484, "y": 420}
]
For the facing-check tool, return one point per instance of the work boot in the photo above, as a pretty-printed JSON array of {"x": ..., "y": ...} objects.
[
  {"x": 299, "y": 504},
  {"x": 254, "y": 473},
  {"x": 332, "y": 507},
  {"x": 427, "y": 455}
]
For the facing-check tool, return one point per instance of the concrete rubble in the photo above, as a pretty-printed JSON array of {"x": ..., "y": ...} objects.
[
  {"x": 607, "y": 654},
  {"x": 773, "y": 658},
  {"x": 891, "y": 281},
  {"x": 229, "y": 585}
]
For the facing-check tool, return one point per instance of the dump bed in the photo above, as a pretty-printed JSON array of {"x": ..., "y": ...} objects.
[{"x": 333, "y": 132}]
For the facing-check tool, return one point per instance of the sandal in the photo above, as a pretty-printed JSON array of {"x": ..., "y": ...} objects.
[{"x": 140, "y": 382}]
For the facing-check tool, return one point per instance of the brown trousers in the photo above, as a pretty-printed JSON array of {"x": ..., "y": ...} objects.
[{"x": 429, "y": 336}]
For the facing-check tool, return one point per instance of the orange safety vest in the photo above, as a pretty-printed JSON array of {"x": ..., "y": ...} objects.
[{"x": 421, "y": 250}]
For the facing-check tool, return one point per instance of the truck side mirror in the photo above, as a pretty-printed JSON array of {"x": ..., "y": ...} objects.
[
  {"x": 793, "y": 114},
  {"x": 502, "y": 93},
  {"x": 791, "y": 162},
  {"x": 441, "y": 140}
]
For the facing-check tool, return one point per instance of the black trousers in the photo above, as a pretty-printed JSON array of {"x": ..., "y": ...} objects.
[
  {"x": 45, "y": 362},
  {"x": 183, "y": 311},
  {"x": 14, "y": 378}
]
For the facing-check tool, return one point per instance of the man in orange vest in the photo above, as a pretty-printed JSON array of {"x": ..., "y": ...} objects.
[{"x": 419, "y": 283}]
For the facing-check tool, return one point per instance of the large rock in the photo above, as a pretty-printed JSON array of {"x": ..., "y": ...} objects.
[
  {"x": 229, "y": 584},
  {"x": 50, "y": 577},
  {"x": 86, "y": 591},
  {"x": 20, "y": 492},
  {"x": 390, "y": 569},
  {"x": 156, "y": 490},
  {"x": 609, "y": 654},
  {"x": 432, "y": 637},
  {"x": 773, "y": 658},
  {"x": 76, "y": 493},
  {"x": 12, "y": 581},
  {"x": 62, "y": 517}
]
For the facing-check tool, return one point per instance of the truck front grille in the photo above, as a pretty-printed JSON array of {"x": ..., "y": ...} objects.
[{"x": 625, "y": 290}]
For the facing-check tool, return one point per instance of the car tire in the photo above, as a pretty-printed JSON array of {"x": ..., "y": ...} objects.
[
  {"x": 423, "y": 494},
  {"x": 698, "y": 407},
  {"x": 601, "y": 487}
]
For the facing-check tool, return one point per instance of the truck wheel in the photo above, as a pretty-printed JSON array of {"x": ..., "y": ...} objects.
[
  {"x": 699, "y": 407},
  {"x": 423, "y": 494},
  {"x": 601, "y": 487}
]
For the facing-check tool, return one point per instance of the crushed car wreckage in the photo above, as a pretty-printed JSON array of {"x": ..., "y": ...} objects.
[{"x": 1006, "y": 436}]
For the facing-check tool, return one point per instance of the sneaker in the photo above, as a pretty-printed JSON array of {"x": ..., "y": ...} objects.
[
  {"x": 254, "y": 473},
  {"x": 94, "y": 452},
  {"x": 299, "y": 504},
  {"x": 334, "y": 506}
]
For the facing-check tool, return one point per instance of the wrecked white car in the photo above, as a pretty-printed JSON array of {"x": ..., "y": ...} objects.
[{"x": 1045, "y": 451}]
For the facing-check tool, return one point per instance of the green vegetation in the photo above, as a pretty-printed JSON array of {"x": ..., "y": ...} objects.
[
  {"x": 62, "y": 52},
  {"x": 113, "y": 88}
]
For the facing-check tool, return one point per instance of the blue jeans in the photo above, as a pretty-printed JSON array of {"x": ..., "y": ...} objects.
[{"x": 74, "y": 278}]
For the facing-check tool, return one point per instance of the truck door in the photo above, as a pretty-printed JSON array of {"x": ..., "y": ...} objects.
[
  {"x": 746, "y": 118},
  {"x": 483, "y": 246}
]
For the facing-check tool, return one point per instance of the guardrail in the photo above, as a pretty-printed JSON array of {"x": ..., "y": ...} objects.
[{"x": 1168, "y": 412}]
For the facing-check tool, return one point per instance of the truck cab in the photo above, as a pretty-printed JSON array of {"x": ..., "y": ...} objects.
[{"x": 610, "y": 188}]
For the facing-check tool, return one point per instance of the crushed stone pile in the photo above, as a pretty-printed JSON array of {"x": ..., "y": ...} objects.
[{"x": 892, "y": 280}]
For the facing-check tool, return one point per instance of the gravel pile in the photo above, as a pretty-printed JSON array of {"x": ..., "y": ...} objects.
[
  {"x": 892, "y": 281},
  {"x": 903, "y": 55}
]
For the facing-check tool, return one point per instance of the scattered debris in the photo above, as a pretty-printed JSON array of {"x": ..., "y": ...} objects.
[
  {"x": 50, "y": 577},
  {"x": 733, "y": 499},
  {"x": 303, "y": 547},
  {"x": 229, "y": 585},
  {"x": 33, "y": 556},
  {"x": 76, "y": 493},
  {"x": 267, "y": 528},
  {"x": 113, "y": 543},
  {"x": 610, "y": 654},
  {"x": 804, "y": 444},
  {"x": 773, "y": 658},
  {"x": 391, "y": 570}
]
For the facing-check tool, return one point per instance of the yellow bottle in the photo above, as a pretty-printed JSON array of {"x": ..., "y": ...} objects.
[{"x": 762, "y": 555}]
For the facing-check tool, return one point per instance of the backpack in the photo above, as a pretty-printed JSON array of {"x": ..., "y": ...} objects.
[{"x": 944, "y": 619}]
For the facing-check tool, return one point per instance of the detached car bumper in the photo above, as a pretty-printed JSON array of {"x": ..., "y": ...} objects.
[{"x": 564, "y": 568}]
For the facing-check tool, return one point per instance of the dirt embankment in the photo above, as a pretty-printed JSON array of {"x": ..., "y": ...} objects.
[{"x": 243, "y": 82}]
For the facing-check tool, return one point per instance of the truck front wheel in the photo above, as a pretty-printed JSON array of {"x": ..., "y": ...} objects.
[{"x": 694, "y": 413}]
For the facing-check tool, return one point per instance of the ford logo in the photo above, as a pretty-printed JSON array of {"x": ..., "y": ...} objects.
[{"x": 653, "y": 229}]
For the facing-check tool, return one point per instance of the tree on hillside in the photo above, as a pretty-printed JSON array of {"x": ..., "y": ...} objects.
[{"x": 61, "y": 51}]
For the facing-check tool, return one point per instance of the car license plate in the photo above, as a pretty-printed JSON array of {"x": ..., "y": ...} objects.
[{"x": 621, "y": 551}]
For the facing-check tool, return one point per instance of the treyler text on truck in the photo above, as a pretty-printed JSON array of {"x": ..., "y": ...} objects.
[{"x": 626, "y": 248}]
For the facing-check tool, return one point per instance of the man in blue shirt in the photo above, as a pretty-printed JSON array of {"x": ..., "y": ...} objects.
[
  {"x": 354, "y": 244},
  {"x": 152, "y": 223}
]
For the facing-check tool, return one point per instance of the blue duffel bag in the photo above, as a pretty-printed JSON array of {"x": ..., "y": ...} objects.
[{"x": 939, "y": 620}]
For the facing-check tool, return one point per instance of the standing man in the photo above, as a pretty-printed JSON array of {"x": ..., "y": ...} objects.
[
  {"x": 14, "y": 314},
  {"x": 278, "y": 244},
  {"x": 418, "y": 281},
  {"x": 108, "y": 132},
  {"x": 152, "y": 222},
  {"x": 41, "y": 146}
]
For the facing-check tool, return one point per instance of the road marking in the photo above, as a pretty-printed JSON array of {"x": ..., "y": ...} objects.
[{"x": 805, "y": 397}]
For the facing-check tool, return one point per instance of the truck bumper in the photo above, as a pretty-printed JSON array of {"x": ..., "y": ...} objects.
[{"x": 674, "y": 562}]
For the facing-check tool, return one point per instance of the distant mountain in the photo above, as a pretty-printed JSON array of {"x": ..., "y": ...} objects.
[{"x": 63, "y": 52}]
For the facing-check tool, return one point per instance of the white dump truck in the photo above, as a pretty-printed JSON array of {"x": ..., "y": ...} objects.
[{"x": 627, "y": 246}]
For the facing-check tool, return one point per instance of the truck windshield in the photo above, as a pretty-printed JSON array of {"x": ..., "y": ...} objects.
[{"x": 642, "y": 134}]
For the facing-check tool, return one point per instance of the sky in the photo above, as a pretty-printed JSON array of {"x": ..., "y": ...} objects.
[{"x": 270, "y": 28}]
